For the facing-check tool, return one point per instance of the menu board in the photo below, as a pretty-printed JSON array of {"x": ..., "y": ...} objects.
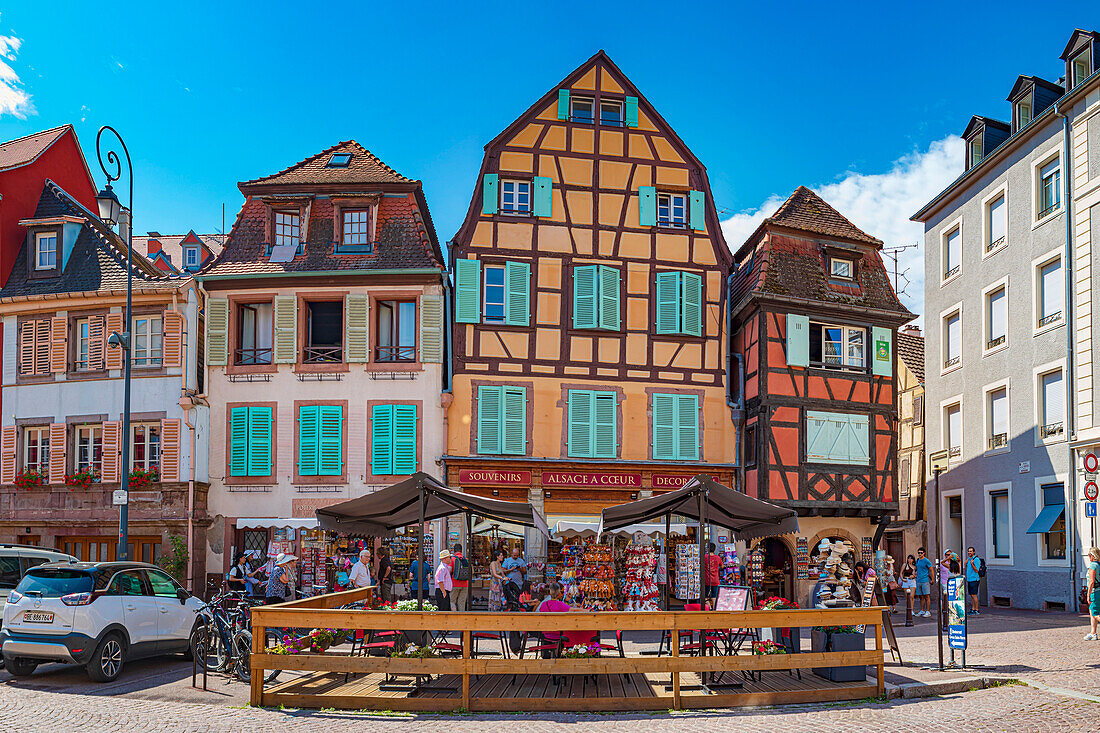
[{"x": 733, "y": 598}]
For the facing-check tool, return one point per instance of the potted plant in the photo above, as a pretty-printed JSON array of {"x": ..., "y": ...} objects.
[
  {"x": 838, "y": 639},
  {"x": 777, "y": 634},
  {"x": 81, "y": 480},
  {"x": 581, "y": 651},
  {"x": 30, "y": 479},
  {"x": 765, "y": 648},
  {"x": 141, "y": 478},
  {"x": 419, "y": 638}
]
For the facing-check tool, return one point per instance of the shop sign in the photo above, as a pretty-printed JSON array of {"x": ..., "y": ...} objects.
[
  {"x": 586, "y": 478},
  {"x": 494, "y": 478},
  {"x": 669, "y": 481},
  {"x": 956, "y": 612}
]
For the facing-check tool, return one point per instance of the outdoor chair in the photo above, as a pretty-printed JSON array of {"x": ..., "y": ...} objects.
[
  {"x": 550, "y": 648},
  {"x": 381, "y": 643},
  {"x": 500, "y": 637}
]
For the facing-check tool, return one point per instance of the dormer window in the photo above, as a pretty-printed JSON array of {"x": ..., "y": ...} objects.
[
  {"x": 338, "y": 160},
  {"x": 974, "y": 152},
  {"x": 582, "y": 109},
  {"x": 1081, "y": 66},
  {"x": 841, "y": 268},
  {"x": 191, "y": 257},
  {"x": 1023, "y": 112},
  {"x": 356, "y": 227},
  {"x": 45, "y": 251},
  {"x": 288, "y": 229}
]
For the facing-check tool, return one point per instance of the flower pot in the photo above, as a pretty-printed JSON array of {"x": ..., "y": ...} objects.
[{"x": 822, "y": 642}]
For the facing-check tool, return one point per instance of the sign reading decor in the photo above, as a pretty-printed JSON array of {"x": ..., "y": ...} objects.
[
  {"x": 494, "y": 478},
  {"x": 669, "y": 481},
  {"x": 587, "y": 478}
]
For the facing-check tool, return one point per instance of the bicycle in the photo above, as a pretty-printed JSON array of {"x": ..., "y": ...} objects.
[{"x": 224, "y": 639}]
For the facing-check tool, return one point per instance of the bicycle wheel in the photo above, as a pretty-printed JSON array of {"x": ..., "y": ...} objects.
[
  {"x": 209, "y": 649},
  {"x": 242, "y": 655}
]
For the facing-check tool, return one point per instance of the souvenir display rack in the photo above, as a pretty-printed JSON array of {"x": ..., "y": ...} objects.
[
  {"x": 835, "y": 559},
  {"x": 674, "y": 542},
  {"x": 687, "y": 571},
  {"x": 572, "y": 559},
  {"x": 597, "y": 578},
  {"x": 639, "y": 579},
  {"x": 730, "y": 572},
  {"x": 802, "y": 558}
]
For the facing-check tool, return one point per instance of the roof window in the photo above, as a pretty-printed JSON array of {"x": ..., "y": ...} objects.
[{"x": 338, "y": 160}]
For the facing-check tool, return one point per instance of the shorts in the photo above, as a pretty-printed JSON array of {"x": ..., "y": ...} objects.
[
  {"x": 972, "y": 587},
  {"x": 924, "y": 589},
  {"x": 712, "y": 592},
  {"x": 908, "y": 584},
  {"x": 1094, "y": 604}
]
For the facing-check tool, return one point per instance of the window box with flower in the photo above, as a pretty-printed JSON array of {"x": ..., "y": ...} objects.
[
  {"x": 81, "y": 480},
  {"x": 143, "y": 478},
  {"x": 31, "y": 479}
]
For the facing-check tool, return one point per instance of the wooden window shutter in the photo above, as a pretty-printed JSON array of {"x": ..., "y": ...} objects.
[
  {"x": 170, "y": 449},
  {"x": 259, "y": 441},
  {"x": 668, "y": 302},
  {"x": 609, "y": 298},
  {"x": 691, "y": 310},
  {"x": 59, "y": 355},
  {"x": 217, "y": 331},
  {"x": 488, "y": 420},
  {"x": 697, "y": 210},
  {"x": 172, "y": 349},
  {"x": 630, "y": 110},
  {"x": 647, "y": 206},
  {"x": 357, "y": 327},
  {"x": 490, "y": 200},
  {"x": 26, "y": 347},
  {"x": 404, "y": 439},
  {"x": 517, "y": 293},
  {"x": 664, "y": 426},
  {"x": 584, "y": 296},
  {"x": 238, "y": 441},
  {"x": 113, "y": 357},
  {"x": 882, "y": 351},
  {"x": 514, "y": 420},
  {"x": 8, "y": 449},
  {"x": 687, "y": 428},
  {"x": 543, "y": 196},
  {"x": 798, "y": 340},
  {"x": 330, "y": 454},
  {"x": 112, "y": 433},
  {"x": 431, "y": 328},
  {"x": 579, "y": 440},
  {"x": 605, "y": 428},
  {"x": 308, "y": 436},
  {"x": 468, "y": 291},
  {"x": 858, "y": 433},
  {"x": 58, "y": 434},
  {"x": 42, "y": 346},
  {"x": 381, "y": 441},
  {"x": 97, "y": 342},
  {"x": 563, "y": 104},
  {"x": 286, "y": 329}
]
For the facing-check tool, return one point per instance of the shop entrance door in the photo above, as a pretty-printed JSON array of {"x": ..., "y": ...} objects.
[{"x": 778, "y": 569}]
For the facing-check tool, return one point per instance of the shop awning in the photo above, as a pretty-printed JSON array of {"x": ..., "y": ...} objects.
[
  {"x": 1046, "y": 519},
  {"x": 489, "y": 526},
  {"x": 569, "y": 528},
  {"x": 747, "y": 517},
  {"x": 265, "y": 523},
  {"x": 385, "y": 510}
]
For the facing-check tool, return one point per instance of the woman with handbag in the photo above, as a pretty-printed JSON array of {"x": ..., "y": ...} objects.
[{"x": 891, "y": 585}]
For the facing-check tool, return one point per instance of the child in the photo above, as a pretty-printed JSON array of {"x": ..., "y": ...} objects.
[{"x": 525, "y": 598}]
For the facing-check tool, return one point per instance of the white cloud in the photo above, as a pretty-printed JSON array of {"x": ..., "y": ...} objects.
[
  {"x": 14, "y": 100},
  {"x": 880, "y": 204}
]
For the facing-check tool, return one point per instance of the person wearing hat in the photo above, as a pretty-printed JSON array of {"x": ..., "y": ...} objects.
[
  {"x": 278, "y": 587},
  {"x": 443, "y": 583}
]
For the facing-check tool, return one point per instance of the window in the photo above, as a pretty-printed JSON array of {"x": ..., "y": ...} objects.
[
  {"x": 997, "y": 417},
  {"x": 45, "y": 257},
  {"x": 750, "y": 446},
  {"x": 515, "y": 197},
  {"x": 975, "y": 150},
  {"x": 838, "y": 346},
  {"x": 675, "y": 427},
  {"x": 611, "y": 112},
  {"x": 837, "y": 437},
  {"x": 952, "y": 253},
  {"x": 147, "y": 341},
  {"x": 250, "y": 435},
  {"x": 596, "y": 297},
  {"x": 505, "y": 292},
  {"x": 1082, "y": 67},
  {"x": 162, "y": 584},
  {"x": 918, "y": 409},
  {"x": 89, "y": 449},
  {"x": 325, "y": 332},
  {"x": 1001, "y": 524},
  {"x": 254, "y": 540},
  {"x": 952, "y": 425},
  {"x": 254, "y": 334},
  {"x": 672, "y": 209},
  {"x": 83, "y": 343},
  {"x": 996, "y": 218},
  {"x": 128, "y": 583},
  {"x": 191, "y": 257},
  {"x": 1051, "y": 295},
  {"x": 494, "y": 294},
  {"x": 996, "y": 317},
  {"x": 338, "y": 160},
  {"x": 502, "y": 420},
  {"x": 842, "y": 268},
  {"x": 952, "y": 340},
  {"x": 680, "y": 303},
  {"x": 1051, "y": 401},
  {"x": 1023, "y": 112},
  {"x": 145, "y": 446},
  {"x": 320, "y": 440},
  {"x": 10, "y": 574},
  {"x": 1054, "y": 539},
  {"x": 356, "y": 230},
  {"x": 36, "y": 449},
  {"x": 393, "y": 440},
  {"x": 593, "y": 424},
  {"x": 287, "y": 228},
  {"x": 582, "y": 109},
  {"x": 1050, "y": 190},
  {"x": 396, "y": 330}
]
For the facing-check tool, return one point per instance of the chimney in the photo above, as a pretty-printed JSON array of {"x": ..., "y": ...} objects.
[
  {"x": 152, "y": 245},
  {"x": 911, "y": 330},
  {"x": 123, "y": 223}
]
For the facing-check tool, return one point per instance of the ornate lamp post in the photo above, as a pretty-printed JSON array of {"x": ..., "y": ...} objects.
[{"x": 110, "y": 210}]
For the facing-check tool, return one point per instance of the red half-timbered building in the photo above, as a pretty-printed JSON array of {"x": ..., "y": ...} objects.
[{"x": 814, "y": 318}]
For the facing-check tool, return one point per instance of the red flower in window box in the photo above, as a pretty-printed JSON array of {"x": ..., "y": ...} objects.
[
  {"x": 27, "y": 479},
  {"x": 141, "y": 478},
  {"x": 776, "y": 603},
  {"x": 81, "y": 480}
]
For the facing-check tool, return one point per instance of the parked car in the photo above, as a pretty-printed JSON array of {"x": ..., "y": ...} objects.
[
  {"x": 16, "y": 560},
  {"x": 96, "y": 614}
]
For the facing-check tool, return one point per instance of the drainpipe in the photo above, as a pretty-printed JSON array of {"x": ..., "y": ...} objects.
[
  {"x": 187, "y": 402},
  {"x": 447, "y": 396},
  {"x": 737, "y": 406}
]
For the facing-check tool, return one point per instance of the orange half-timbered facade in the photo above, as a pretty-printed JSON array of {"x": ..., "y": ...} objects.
[{"x": 589, "y": 336}]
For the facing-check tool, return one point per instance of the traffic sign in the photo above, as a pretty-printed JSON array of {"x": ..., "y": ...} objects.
[
  {"x": 1092, "y": 463},
  {"x": 1091, "y": 491},
  {"x": 120, "y": 497},
  {"x": 1090, "y": 508}
]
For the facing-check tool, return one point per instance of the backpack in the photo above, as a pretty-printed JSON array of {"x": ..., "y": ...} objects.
[
  {"x": 981, "y": 567},
  {"x": 463, "y": 571}
]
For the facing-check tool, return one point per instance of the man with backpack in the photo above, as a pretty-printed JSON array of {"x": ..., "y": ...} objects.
[
  {"x": 461, "y": 574},
  {"x": 975, "y": 571}
]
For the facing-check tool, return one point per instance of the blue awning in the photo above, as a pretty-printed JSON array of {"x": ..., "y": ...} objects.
[{"x": 1046, "y": 518}]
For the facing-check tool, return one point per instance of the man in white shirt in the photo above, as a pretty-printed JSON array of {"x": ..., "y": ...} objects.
[{"x": 360, "y": 571}]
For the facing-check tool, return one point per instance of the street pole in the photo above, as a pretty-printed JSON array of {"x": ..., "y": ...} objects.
[{"x": 936, "y": 570}]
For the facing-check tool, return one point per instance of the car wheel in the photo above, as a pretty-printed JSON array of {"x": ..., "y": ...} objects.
[
  {"x": 20, "y": 666},
  {"x": 106, "y": 664}
]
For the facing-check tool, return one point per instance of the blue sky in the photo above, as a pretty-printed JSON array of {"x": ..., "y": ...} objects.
[{"x": 769, "y": 97}]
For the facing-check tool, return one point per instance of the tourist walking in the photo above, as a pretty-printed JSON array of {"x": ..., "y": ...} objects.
[
  {"x": 713, "y": 565},
  {"x": 891, "y": 582},
  {"x": 973, "y": 578},
  {"x": 923, "y": 590},
  {"x": 1094, "y": 591},
  {"x": 515, "y": 567},
  {"x": 908, "y": 582},
  {"x": 418, "y": 580},
  {"x": 496, "y": 580},
  {"x": 461, "y": 573},
  {"x": 280, "y": 586},
  {"x": 443, "y": 583}
]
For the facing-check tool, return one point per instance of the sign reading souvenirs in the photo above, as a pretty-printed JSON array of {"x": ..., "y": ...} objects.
[
  {"x": 494, "y": 478},
  {"x": 588, "y": 478}
]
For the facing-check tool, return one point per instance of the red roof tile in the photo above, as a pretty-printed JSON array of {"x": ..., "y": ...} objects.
[
  {"x": 21, "y": 151},
  {"x": 363, "y": 168},
  {"x": 808, "y": 212}
]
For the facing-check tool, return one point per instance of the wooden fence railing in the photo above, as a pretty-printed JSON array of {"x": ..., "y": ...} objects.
[{"x": 322, "y": 612}]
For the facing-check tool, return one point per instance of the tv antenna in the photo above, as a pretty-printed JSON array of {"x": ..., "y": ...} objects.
[{"x": 894, "y": 254}]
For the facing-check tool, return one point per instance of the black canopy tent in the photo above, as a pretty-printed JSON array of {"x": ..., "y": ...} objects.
[
  {"x": 419, "y": 498},
  {"x": 708, "y": 502}
]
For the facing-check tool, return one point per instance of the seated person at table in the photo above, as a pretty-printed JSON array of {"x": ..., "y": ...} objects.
[
  {"x": 552, "y": 604},
  {"x": 526, "y": 599}
]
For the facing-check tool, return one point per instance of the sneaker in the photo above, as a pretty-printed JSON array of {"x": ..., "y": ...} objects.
[{"x": 1090, "y": 637}]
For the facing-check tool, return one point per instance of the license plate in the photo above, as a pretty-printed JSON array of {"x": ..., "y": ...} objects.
[{"x": 38, "y": 617}]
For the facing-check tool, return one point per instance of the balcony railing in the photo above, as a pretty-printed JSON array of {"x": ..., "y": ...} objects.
[
  {"x": 994, "y": 244},
  {"x": 994, "y": 342},
  {"x": 951, "y": 272},
  {"x": 1056, "y": 316},
  {"x": 1048, "y": 210},
  {"x": 951, "y": 361},
  {"x": 999, "y": 440},
  {"x": 323, "y": 355},
  {"x": 252, "y": 357},
  {"x": 1050, "y": 430},
  {"x": 396, "y": 353}
]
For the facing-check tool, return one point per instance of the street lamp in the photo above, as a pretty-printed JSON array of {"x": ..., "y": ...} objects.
[
  {"x": 110, "y": 210},
  {"x": 939, "y": 463}
]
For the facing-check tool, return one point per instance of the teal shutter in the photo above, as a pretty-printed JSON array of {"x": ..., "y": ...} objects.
[
  {"x": 514, "y": 420},
  {"x": 691, "y": 304},
  {"x": 584, "y": 296},
  {"x": 381, "y": 440},
  {"x": 631, "y": 111},
  {"x": 647, "y": 206},
  {"x": 517, "y": 293},
  {"x": 490, "y": 199},
  {"x": 330, "y": 453},
  {"x": 697, "y": 210},
  {"x": 259, "y": 441},
  {"x": 580, "y": 423},
  {"x": 664, "y": 427},
  {"x": 404, "y": 439},
  {"x": 687, "y": 427},
  {"x": 798, "y": 340},
  {"x": 827, "y": 437},
  {"x": 858, "y": 434},
  {"x": 544, "y": 188},
  {"x": 668, "y": 302},
  {"x": 882, "y": 351},
  {"x": 468, "y": 291},
  {"x": 563, "y": 104},
  {"x": 489, "y": 405},
  {"x": 238, "y": 441},
  {"x": 308, "y": 439},
  {"x": 609, "y": 298},
  {"x": 605, "y": 428}
]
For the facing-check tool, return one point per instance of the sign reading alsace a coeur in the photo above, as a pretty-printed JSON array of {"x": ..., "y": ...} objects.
[
  {"x": 486, "y": 477},
  {"x": 552, "y": 479}
]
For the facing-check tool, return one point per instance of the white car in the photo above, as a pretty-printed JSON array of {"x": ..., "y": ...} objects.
[
  {"x": 16, "y": 560},
  {"x": 96, "y": 614}
]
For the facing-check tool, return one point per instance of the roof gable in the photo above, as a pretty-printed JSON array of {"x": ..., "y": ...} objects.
[
  {"x": 363, "y": 168},
  {"x": 911, "y": 351},
  {"x": 26, "y": 149},
  {"x": 1078, "y": 40},
  {"x": 805, "y": 211}
]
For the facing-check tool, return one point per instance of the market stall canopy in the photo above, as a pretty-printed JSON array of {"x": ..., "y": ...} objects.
[
  {"x": 567, "y": 528},
  {"x": 749, "y": 518},
  {"x": 264, "y": 523},
  {"x": 490, "y": 526},
  {"x": 385, "y": 510}
]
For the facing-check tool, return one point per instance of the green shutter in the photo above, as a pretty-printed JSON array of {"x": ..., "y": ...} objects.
[
  {"x": 697, "y": 210},
  {"x": 798, "y": 340},
  {"x": 490, "y": 199},
  {"x": 584, "y": 296},
  {"x": 356, "y": 328},
  {"x": 238, "y": 441},
  {"x": 431, "y": 328},
  {"x": 381, "y": 440},
  {"x": 308, "y": 446},
  {"x": 668, "y": 302},
  {"x": 687, "y": 427},
  {"x": 609, "y": 298},
  {"x": 664, "y": 427},
  {"x": 827, "y": 437},
  {"x": 259, "y": 441},
  {"x": 217, "y": 332},
  {"x": 580, "y": 423},
  {"x": 605, "y": 428},
  {"x": 404, "y": 439},
  {"x": 488, "y": 420},
  {"x": 647, "y": 206},
  {"x": 517, "y": 293},
  {"x": 631, "y": 110},
  {"x": 467, "y": 291},
  {"x": 858, "y": 434},
  {"x": 514, "y": 421},
  {"x": 691, "y": 308},
  {"x": 331, "y": 440},
  {"x": 563, "y": 104},
  {"x": 882, "y": 351},
  {"x": 543, "y": 203}
]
